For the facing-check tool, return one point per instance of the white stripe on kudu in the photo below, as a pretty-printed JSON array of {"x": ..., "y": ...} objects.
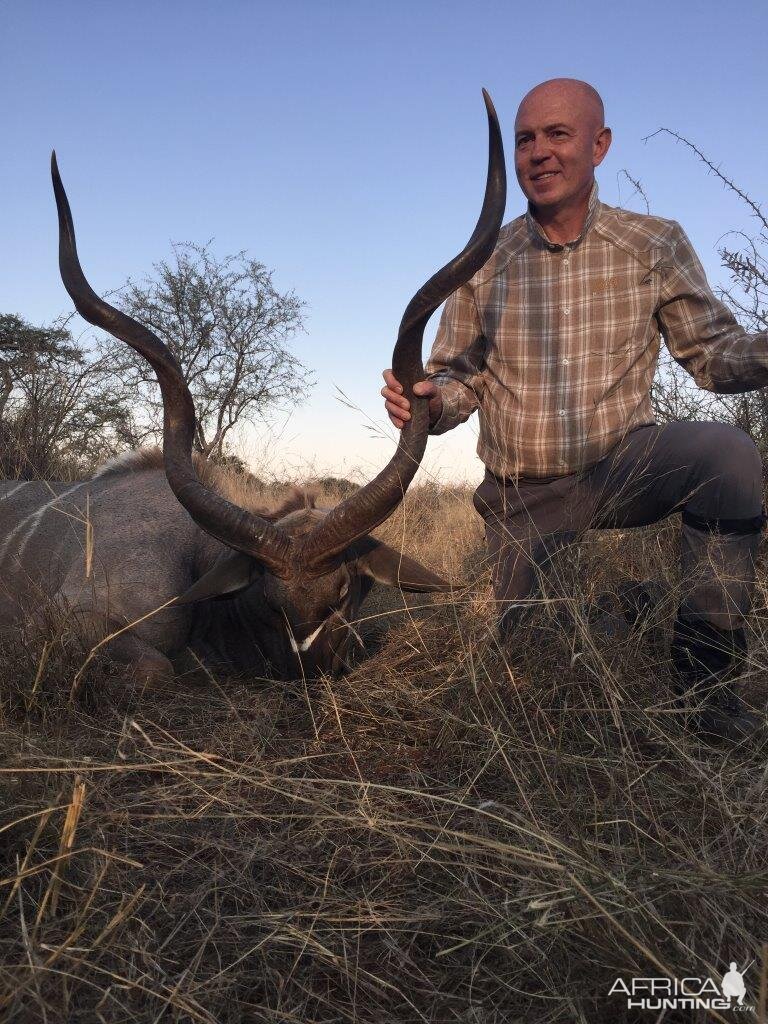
[
  {"x": 32, "y": 522},
  {"x": 307, "y": 642}
]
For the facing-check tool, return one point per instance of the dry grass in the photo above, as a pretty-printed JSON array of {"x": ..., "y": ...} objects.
[{"x": 454, "y": 832}]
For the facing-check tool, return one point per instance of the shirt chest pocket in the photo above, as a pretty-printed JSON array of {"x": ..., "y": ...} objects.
[{"x": 618, "y": 310}]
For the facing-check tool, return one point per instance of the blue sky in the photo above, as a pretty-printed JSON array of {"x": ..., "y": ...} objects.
[{"x": 344, "y": 144}]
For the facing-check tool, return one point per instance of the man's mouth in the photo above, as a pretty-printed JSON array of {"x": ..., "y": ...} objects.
[{"x": 545, "y": 176}]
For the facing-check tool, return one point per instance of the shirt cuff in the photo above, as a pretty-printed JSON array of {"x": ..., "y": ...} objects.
[{"x": 450, "y": 417}]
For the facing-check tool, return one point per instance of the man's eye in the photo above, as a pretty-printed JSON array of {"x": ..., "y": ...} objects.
[{"x": 522, "y": 142}]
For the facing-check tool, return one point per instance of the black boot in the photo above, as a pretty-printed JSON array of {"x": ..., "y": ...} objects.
[{"x": 706, "y": 659}]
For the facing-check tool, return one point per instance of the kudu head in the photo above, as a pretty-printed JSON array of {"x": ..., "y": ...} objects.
[{"x": 305, "y": 573}]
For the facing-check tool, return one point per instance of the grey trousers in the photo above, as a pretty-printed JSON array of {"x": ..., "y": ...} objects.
[{"x": 709, "y": 472}]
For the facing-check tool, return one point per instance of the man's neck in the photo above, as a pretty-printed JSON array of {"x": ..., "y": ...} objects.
[{"x": 563, "y": 225}]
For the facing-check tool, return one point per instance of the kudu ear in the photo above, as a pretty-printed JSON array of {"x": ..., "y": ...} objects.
[
  {"x": 386, "y": 565},
  {"x": 231, "y": 575}
]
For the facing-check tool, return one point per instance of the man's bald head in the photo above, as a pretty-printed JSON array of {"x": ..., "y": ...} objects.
[{"x": 580, "y": 97}]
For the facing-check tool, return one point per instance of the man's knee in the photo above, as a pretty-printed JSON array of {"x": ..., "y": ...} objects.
[
  {"x": 731, "y": 453},
  {"x": 730, "y": 474}
]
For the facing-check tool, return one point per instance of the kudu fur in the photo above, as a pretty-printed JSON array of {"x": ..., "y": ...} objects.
[{"x": 163, "y": 537}]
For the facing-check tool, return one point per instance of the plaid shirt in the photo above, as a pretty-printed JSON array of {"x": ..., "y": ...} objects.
[{"x": 557, "y": 345}]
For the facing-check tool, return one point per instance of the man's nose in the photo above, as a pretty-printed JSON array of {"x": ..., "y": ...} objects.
[{"x": 540, "y": 148}]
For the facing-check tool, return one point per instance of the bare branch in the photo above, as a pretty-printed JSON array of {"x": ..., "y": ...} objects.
[
  {"x": 639, "y": 190},
  {"x": 756, "y": 209}
]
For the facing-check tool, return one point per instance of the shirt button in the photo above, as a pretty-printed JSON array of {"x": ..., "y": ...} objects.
[
  {"x": 565, "y": 362},
  {"x": 566, "y": 311},
  {"x": 561, "y": 412}
]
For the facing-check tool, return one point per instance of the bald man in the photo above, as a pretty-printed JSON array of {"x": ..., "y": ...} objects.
[{"x": 555, "y": 343}]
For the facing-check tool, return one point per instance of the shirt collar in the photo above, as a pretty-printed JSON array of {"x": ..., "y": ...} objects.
[{"x": 539, "y": 239}]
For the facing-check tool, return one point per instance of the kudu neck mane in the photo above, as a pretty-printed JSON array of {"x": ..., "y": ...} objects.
[{"x": 233, "y": 486}]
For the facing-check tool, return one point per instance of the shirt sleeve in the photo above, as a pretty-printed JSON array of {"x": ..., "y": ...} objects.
[
  {"x": 456, "y": 361},
  {"x": 701, "y": 333}
]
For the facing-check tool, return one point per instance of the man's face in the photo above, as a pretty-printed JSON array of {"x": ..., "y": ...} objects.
[{"x": 559, "y": 140}]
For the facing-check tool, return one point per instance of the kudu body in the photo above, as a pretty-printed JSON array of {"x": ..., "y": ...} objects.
[{"x": 239, "y": 584}]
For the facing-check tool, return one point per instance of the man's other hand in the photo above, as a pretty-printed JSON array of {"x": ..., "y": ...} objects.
[{"x": 398, "y": 406}]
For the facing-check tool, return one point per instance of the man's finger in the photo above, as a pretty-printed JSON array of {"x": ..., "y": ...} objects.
[
  {"x": 395, "y": 398},
  {"x": 397, "y": 411},
  {"x": 392, "y": 381}
]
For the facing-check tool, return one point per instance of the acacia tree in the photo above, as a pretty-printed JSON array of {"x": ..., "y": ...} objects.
[
  {"x": 22, "y": 348},
  {"x": 229, "y": 328},
  {"x": 62, "y": 409}
]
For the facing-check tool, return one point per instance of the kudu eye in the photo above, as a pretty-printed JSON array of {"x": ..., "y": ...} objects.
[{"x": 344, "y": 589}]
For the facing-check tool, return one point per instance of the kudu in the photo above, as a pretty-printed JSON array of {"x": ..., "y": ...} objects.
[{"x": 293, "y": 580}]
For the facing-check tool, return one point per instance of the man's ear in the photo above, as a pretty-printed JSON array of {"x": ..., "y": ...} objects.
[
  {"x": 386, "y": 565},
  {"x": 601, "y": 146},
  {"x": 230, "y": 576}
]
